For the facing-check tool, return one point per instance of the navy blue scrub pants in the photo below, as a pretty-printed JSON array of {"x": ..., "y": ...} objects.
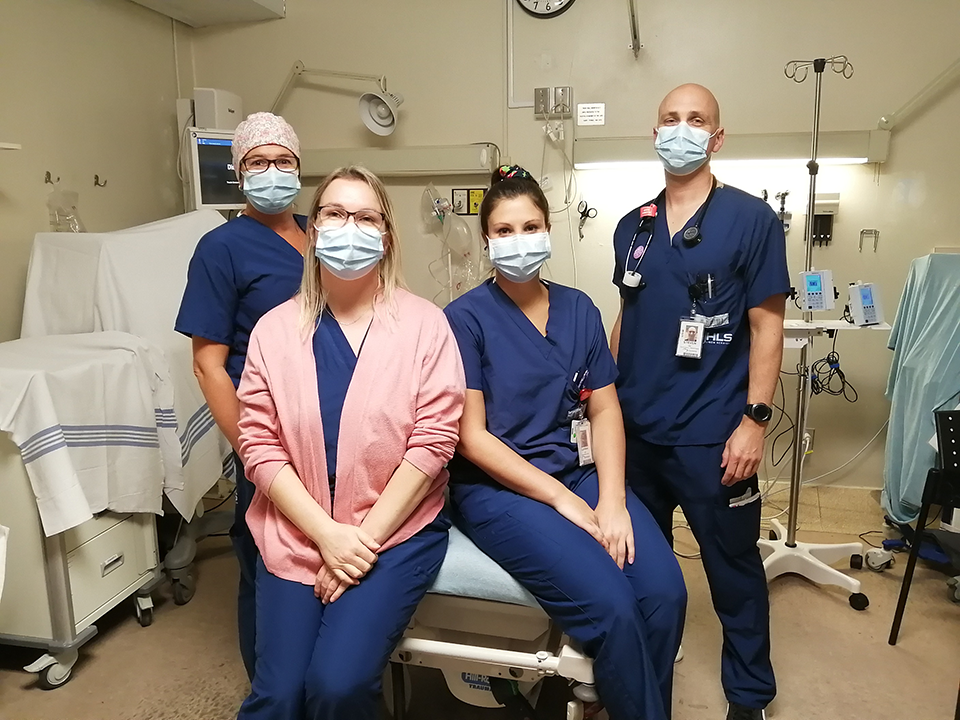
[
  {"x": 247, "y": 555},
  {"x": 629, "y": 621},
  {"x": 689, "y": 476},
  {"x": 325, "y": 662}
]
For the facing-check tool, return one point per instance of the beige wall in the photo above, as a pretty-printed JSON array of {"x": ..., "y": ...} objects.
[
  {"x": 86, "y": 87},
  {"x": 448, "y": 60}
]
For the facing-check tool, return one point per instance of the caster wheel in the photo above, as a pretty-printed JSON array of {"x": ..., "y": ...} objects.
[
  {"x": 54, "y": 676},
  {"x": 856, "y": 562},
  {"x": 184, "y": 589},
  {"x": 859, "y": 601},
  {"x": 145, "y": 617}
]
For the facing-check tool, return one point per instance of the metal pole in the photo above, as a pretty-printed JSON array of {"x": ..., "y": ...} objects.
[{"x": 803, "y": 381}]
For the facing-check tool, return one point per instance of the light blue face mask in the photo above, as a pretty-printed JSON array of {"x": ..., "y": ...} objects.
[
  {"x": 682, "y": 149},
  {"x": 271, "y": 192},
  {"x": 349, "y": 252},
  {"x": 519, "y": 257}
]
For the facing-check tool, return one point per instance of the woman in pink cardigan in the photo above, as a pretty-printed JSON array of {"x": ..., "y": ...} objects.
[{"x": 350, "y": 404}]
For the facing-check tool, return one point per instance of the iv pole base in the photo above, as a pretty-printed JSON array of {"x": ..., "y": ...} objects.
[{"x": 813, "y": 562}]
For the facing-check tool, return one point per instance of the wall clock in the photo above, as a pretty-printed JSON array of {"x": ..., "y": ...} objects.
[{"x": 545, "y": 8}]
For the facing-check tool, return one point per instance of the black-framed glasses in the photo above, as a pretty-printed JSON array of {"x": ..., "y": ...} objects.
[
  {"x": 334, "y": 216},
  {"x": 257, "y": 165}
]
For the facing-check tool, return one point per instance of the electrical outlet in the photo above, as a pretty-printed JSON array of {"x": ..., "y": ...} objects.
[
  {"x": 460, "y": 200},
  {"x": 546, "y": 184},
  {"x": 542, "y": 101},
  {"x": 563, "y": 101},
  {"x": 811, "y": 433}
]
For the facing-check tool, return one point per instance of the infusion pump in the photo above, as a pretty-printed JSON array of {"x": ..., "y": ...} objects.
[
  {"x": 817, "y": 291},
  {"x": 865, "y": 304}
]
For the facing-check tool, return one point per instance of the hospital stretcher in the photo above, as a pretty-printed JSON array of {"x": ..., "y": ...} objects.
[{"x": 489, "y": 637}]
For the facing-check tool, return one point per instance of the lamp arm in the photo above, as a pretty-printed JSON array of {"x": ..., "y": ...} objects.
[{"x": 298, "y": 69}]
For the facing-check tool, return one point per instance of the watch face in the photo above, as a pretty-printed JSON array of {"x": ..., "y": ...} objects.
[
  {"x": 760, "y": 412},
  {"x": 545, "y": 8}
]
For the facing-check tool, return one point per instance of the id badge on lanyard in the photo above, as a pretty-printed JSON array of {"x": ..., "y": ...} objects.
[{"x": 690, "y": 339}]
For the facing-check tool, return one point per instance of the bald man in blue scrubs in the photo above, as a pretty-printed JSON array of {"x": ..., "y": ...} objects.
[{"x": 703, "y": 279}]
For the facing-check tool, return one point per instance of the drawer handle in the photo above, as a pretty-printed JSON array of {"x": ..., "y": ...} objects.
[{"x": 111, "y": 564}]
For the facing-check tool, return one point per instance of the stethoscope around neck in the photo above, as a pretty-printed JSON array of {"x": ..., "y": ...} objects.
[{"x": 648, "y": 223}]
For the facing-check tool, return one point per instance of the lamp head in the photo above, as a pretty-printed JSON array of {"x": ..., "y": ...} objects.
[{"x": 379, "y": 111}]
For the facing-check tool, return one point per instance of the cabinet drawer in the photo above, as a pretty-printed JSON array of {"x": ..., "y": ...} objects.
[
  {"x": 77, "y": 536},
  {"x": 104, "y": 566}
]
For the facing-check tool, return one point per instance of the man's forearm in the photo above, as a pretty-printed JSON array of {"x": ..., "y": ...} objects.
[{"x": 766, "y": 354}]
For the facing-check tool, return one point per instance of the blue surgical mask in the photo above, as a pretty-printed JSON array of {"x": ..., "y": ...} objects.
[
  {"x": 349, "y": 252},
  {"x": 519, "y": 257},
  {"x": 271, "y": 192},
  {"x": 682, "y": 149}
]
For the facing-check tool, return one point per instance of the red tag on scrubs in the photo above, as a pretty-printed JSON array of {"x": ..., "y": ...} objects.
[
  {"x": 584, "y": 394},
  {"x": 648, "y": 211}
]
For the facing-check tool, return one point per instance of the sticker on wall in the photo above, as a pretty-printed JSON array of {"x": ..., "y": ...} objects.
[
  {"x": 476, "y": 197},
  {"x": 591, "y": 113}
]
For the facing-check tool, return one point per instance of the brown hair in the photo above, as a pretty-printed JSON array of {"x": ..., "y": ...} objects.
[
  {"x": 313, "y": 296},
  {"x": 508, "y": 182}
]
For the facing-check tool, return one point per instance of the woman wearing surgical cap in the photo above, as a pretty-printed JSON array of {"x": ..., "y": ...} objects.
[
  {"x": 350, "y": 405},
  {"x": 239, "y": 271}
]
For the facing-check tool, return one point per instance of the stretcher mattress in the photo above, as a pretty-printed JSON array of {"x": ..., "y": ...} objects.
[{"x": 467, "y": 572}]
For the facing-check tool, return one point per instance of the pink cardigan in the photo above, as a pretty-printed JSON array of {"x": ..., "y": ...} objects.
[{"x": 404, "y": 403}]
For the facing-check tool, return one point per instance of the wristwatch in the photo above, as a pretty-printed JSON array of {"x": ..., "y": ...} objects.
[{"x": 759, "y": 412}]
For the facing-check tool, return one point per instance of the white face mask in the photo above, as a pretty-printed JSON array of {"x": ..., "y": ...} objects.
[
  {"x": 682, "y": 148},
  {"x": 519, "y": 257},
  {"x": 349, "y": 252}
]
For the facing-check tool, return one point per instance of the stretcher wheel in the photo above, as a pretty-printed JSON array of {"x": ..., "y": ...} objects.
[
  {"x": 54, "y": 676},
  {"x": 145, "y": 617},
  {"x": 859, "y": 601},
  {"x": 184, "y": 589},
  {"x": 856, "y": 562}
]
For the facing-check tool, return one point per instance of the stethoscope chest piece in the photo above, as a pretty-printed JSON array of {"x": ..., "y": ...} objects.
[{"x": 691, "y": 236}]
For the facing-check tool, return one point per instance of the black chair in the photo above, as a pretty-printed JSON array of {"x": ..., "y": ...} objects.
[{"x": 941, "y": 488}]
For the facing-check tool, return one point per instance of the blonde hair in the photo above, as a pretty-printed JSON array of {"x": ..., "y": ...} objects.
[{"x": 312, "y": 295}]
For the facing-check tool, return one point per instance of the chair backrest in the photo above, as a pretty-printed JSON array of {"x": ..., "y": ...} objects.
[{"x": 948, "y": 438}]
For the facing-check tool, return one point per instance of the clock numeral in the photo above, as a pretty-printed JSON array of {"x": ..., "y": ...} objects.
[{"x": 548, "y": 7}]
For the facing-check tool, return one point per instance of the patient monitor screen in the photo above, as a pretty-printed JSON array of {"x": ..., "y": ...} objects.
[{"x": 218, "y": 181}]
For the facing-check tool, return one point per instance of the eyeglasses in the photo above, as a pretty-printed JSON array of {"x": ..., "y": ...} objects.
[
  {"x": 334, "y": 216},
  {"x": 258, "y": 165}
]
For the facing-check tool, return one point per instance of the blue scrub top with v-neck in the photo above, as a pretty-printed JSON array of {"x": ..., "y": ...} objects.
[
  {"x": 239, "y": 271},
  {"x": 335, "y": 365},
  {"x": 530, "y": 382},
  {"x": 667, "y": 400}
]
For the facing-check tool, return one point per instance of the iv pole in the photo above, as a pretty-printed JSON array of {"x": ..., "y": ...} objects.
[{"x": 785, "y": 554}]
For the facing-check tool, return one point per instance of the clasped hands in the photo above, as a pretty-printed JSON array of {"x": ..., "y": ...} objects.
[{"x": 348, "y": 553}]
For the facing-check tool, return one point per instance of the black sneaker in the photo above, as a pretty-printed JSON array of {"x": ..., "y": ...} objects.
[{"x": 742, "y": 712}]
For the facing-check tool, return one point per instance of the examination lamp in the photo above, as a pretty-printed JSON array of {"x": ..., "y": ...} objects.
[{"x": 378, "y": 110}]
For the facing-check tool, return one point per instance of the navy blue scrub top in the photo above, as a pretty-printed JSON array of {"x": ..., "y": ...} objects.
[
  {"x": 529, "y": 382},
  {"x": 335, "y": 365},
  {"x": 668, "y": 400},
  {"x": 239, "y": 271}
]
